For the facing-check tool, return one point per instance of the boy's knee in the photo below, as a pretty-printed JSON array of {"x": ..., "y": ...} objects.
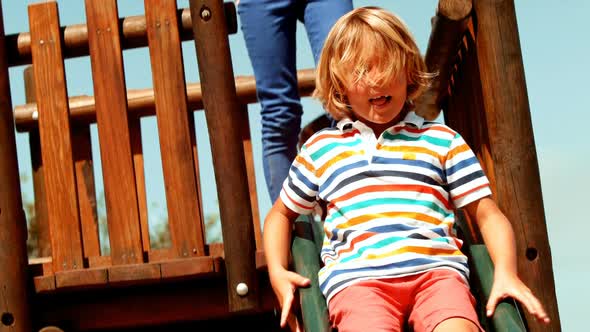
[{"x": 455, "y": 324}]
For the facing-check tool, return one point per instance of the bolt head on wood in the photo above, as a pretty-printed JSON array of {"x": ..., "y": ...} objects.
[
  {"x": 242, "y": 289},
  {"x": 205, "y": 13}
]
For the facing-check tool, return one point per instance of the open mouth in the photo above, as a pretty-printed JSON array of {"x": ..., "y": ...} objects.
[{"x": 379, "y": 101}]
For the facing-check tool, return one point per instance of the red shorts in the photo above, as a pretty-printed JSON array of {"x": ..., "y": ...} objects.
[{"x": 422, "y": 301}]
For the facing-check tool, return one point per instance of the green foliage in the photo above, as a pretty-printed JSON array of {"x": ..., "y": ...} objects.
[
  {"x": 213, "y": 228},
  {"x": 160, "y": 235},
  {"x": 32, "y": 224},
  {"x": 32, "y": 230}
]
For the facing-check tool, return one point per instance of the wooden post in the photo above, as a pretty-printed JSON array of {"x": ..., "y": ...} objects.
[
  {"x": 182, "y": 193},
  {"x": 221, "y": 104},
  {"x": 518, "y": 187},
  {"x": 14, "y": 306},
  {"x": 448, "y": 27},
  {"x": 56, "y": 143}
]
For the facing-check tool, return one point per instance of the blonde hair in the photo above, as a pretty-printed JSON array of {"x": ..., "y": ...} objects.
[{"x": 367, "y": 39}]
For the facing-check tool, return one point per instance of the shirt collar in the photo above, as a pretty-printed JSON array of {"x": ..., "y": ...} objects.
[{"x": 411, "y": 117}]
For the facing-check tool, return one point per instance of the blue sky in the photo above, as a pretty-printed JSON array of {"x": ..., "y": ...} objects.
[{"x": 554, "y": 50}]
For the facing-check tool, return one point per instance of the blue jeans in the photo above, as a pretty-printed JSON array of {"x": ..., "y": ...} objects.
[{"x": 269, "y": 28}]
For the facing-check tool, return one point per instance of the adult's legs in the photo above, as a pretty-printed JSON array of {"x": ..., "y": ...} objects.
[
  {"x": 319, "y": 16},
  {"x": 269, "y": 28}
]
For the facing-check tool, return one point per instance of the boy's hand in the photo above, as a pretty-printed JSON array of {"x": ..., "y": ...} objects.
[
  {"x": 284, "y": 284},
  {"x": 506, "y": 285}
]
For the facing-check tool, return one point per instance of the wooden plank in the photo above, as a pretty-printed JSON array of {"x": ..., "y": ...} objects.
[
  {"x": 82, "y": 151},
  {"x": 249, "y": 159},
  {"x": 14, "y": 305},
  {"x": 44, "y": 284},
  {"x": 464, "y": 109},
  {"x": 512, "y": 146},
  {"x": 220, "y": 101},
  {"x": 56, "y": 144},
  {"x": 137, "y": 150},
  {"x": 81, "y": 279},
  {"x": 454, "y": 9},
  {"x": 184, "y": 218},
  {"x": 189, "y": 267},
  {"x": 473, "y": 96},
  {"x": 41, "y": 218},
  {"x": 113, "y": 131},
  {"x": 158, "y": 255},
  {"x": 99, "y": 261},
  {"x": 120, "y": 308},
  {"x": 134, "y": 274}
]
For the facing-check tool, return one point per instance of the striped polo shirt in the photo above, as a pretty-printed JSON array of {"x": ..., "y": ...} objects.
[{"x": 390, "y": 200}]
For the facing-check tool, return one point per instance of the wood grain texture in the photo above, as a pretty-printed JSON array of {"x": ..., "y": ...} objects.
[
  {"x": 512, "y": 147},
  {"x": 120, "y": 308},
  {"x": 464, "y": 112},
  {"x": 56, "y": 143},
  {"x": 454, "y": 9},
  {"x": 134, "y": 274},
  {"x": 221, "y": 103},
  {"x": 13, "y": 230},
  {"x": 184, "y": 213},
  {"x": 44, "y": 284},
  {"x": 86, "y": 278},
  {"x": 440, "y": 56},
  {"x": 183, "y": 268},
  {"x": 113, "y": 132}
]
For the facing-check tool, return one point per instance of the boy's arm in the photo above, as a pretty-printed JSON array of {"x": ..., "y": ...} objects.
[
  {"x": 277, "y": 244},
  {"x": 499, "y": 238}
]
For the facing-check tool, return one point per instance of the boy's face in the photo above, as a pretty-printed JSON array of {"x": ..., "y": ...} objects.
[{"x": 378, "y": 104}]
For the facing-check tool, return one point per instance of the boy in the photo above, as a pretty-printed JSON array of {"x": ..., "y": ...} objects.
[{"x": 391, "y": 182}]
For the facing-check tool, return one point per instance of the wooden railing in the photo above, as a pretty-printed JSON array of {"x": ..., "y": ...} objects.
[
  {"x": 61, "y": 148},
  {"x": 63, "y": 179},
  {"x": 59, "y": 134}
]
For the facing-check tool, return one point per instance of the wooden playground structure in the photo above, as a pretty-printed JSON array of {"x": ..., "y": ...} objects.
[{"x": 73, "y": 287}]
